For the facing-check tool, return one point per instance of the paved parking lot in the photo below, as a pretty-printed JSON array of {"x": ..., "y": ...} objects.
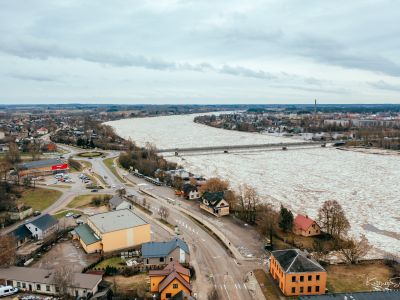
[{"x": 67, "y": 253}]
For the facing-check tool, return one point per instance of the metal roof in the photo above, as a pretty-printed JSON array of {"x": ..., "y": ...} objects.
[
  {"x": 20, "y": 232},
  {"x": 162, "y": 249},
  {"x": 36, "y": 275},
  {"x": 116, "y": 220},
  {"x": 44, "y": 222},
  {"x": 39, "y": 164},
  {"x": 86, "y": 234},
  {"x": 296, "y": 261}
]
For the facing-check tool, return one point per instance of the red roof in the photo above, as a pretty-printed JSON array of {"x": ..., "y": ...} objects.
[{"x": 303, "y": 222}]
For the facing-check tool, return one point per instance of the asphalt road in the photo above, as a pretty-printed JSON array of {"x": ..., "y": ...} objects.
[{"x": 214, "y": 266}]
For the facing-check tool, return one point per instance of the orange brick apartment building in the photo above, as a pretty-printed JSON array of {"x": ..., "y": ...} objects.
[{"x": 297, "y": 274}]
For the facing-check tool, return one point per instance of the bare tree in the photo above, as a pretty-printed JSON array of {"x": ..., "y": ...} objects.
[
  {"x": 8, "y": 252},
  {"x": 215, "y": 185},
  {"x": 121, "y": 192},
  {"x": 353, "y": 249},
  {"x": 163, "y": 212},
  {"x": 13, "y": 155},
  {"x": 267, "y": 220},
  {"x": 63, "y": 279},
  {"x": 34, "y": 150},
  {"x": 212, "y": 294},
  {"x": 332, "y": 219},
  {"x": 248, "y": 203}
]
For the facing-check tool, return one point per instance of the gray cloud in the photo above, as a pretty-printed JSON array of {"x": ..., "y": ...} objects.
[{"x": 382, "y": 85}]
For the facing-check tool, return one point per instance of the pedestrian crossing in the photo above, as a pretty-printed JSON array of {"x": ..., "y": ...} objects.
[
  {"x": 238, "y": 286},
  {"x": 187, "y": 227}
]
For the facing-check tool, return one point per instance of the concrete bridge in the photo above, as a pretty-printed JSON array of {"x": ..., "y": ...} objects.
[{"x": 227, "y": 148}]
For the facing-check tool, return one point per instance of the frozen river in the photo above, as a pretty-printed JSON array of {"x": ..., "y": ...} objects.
[{"x": 366, "y": 185}]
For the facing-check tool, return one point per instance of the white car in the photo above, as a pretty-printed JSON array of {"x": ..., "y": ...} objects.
[
  {"x": 7, "y": 290},
  {"x": 113, "y": 186},
  {"x": 79, "y": 222},
  {"x": 70, "y": 214}
]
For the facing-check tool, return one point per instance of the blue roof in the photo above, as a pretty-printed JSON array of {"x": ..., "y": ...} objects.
[
  {"x": 162, "y": 249},
  {"x": 44, "y": 222},
  {"x": 20, "y": 232}
]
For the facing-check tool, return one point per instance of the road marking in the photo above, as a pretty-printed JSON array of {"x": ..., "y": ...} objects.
[
  {"x": 245, "y": 286},
  {"x": 227, "y": 292}
]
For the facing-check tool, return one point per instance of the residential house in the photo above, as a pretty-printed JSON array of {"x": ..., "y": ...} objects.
[
  {"x": 2, "y": 135},
  {"x": 161, "y": 253},
  {"x": 296, "y": 273},
  {"x": 20, "y": 212},
  {"x": 215, "y": 203},
  {"x": 42, "y": 131},
  {"x": 170, "y": 281},
  {"x": 43, "y": 226},
  {"x": 21, "y": 234},
  {"x": 190, "y": 192},
  {"x": 111, "y": 231},
  {"x": 41, "y": 281},
  {"x": 305, "y": 226},
  {"x": 117, "y": 203}
]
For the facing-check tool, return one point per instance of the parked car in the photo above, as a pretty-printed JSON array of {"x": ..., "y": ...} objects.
[
  {"x": 79, "y": 222},
  {"x": 94, "y": 191},
  {"x": 7, "y": 290},
  {"x": 76, "y": 216},
  {"x": 70, "y": 214},
  {"x": 36, "y": 213}
]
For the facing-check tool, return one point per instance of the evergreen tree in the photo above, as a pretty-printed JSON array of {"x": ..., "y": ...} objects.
[{"x": 285, "y": 219}]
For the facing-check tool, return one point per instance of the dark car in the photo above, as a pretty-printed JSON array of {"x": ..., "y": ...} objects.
[
  {"x": 94, "y": 191},
  {"x": 76, "y": 216},
  {"x": 36, "y": 213}
]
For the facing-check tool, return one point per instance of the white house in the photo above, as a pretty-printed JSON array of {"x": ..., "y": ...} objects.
[
  {"x": 42, "y": 226},
  {"x": 42, "y": 131},
  {"x": 42, "y": 281}
]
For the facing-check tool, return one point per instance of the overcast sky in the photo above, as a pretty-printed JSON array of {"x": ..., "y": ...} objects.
[{"x": 276, "y": 51}]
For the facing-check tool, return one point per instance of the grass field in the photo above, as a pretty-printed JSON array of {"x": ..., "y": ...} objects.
[
  {"x": 90, "y": 154},
  {"x": 61, "y": 213},
  {"x": 109, "y": 162},
  {"x": 112, "y": 262},
  {"x": 266, "y": 285},
  {"x": 83, "y": 200},
  {"x": 85, "y": 164},
  {"x": 355, "y": 278},
  {"x": 133, "y": 285},
  {"x": 38, "y": 198}
]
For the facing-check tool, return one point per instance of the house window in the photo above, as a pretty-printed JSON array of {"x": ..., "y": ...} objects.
[
  {"x": 309, "y": 289},
  {"x": 309, "y": 232},
  {"x": 38, "y": 287},
  {"x": 161, "y": 259},
  {"x": 317, "y": 277},
  {"x": 293, "y": 278},
  {"x": 175, "y": 286},
  {"x": 301, "y": 290},
  {"x": 48, "y": 288},
  {"x": 168, "y": 295},
  {"x": 171, "y": 259},
  {"x": 35, "y": 229},
  {"x": 309, "y": 277},
  {"x": 24, "y": 285},
  {"x": 18, "y": 284},
  {"x": 317, "y": 288},
  {"x": 57, "y": 289},
  {"x": 293, "y": 290},
  {"x": 301, "y": 278}
]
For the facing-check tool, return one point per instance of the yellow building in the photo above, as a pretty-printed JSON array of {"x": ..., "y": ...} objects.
[
  {"x": 297, "y": 274},
  {"x": 111, "y": 231},
  {"x": 170, "y": 281}
]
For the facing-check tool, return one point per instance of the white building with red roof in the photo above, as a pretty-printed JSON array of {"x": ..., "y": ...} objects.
[{"x": 305, "y": 226}]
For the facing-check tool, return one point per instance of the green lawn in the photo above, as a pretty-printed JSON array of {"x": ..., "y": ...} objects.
[
  {"x": 112, "y": 262},
  {"x": 61, "y": 213},
  {"x": 90, "y": 154},
  {"x": 357, "y": 278},
  {"x": 109, "y": 162},
  {"x": 39, "y": 198},
  {"x": 83, "y": 200}
]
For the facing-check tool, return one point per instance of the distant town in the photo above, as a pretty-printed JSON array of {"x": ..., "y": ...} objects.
[{"x": 88, "y": 214}]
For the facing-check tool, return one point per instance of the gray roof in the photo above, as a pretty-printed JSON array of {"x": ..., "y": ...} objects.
[
  {"x": 296, "y": 261},
  {"x": 115, "y": 201},
  {"x": 381, "y": 295},
  {"x": 44, "y": 222},
  {"x": 39, "y": 164},
  {"x": 86, "y": 234},
  {"x": 116, "y": 220},
  {"x": 36, "y": 275},
  {"x": 162, "y": 249},
  {"x": 213, "y": 198}
]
